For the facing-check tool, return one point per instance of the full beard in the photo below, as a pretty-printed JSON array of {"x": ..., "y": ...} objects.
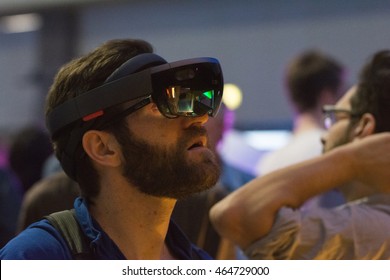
[{"x": 168, "y": 171}]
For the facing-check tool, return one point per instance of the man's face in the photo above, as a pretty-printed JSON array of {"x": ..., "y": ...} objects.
[
  {"x": 340, "y": 132},
  {"x": 168, "y": 157}
]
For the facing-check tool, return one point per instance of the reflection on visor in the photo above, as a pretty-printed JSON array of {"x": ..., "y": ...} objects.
[{"x": 189, "y": 102}]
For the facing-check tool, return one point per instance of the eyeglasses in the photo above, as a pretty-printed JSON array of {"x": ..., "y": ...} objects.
[{"x": 333, "y": 114}]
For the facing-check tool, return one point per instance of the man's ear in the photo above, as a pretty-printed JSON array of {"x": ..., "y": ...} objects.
[
  {"x": 101, "y": 147},
  {"x": 365, "y": 126}
]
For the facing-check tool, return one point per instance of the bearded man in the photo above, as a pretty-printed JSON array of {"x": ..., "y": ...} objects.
[{"x": 128, "y": 127}]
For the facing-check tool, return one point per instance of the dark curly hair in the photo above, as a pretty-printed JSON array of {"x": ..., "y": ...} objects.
[{"x": 373, "y": 91}]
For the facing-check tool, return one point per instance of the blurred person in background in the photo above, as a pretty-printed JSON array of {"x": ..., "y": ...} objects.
[
  {"x": 11, "y": 195},
  {"x": 53, "y": 193},
  {"x": 28, "y": 151},
  {"x": 312, "y": 80}
]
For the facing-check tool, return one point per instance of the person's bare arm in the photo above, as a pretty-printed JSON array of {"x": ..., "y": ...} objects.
[{"x": 249, "y": 213}]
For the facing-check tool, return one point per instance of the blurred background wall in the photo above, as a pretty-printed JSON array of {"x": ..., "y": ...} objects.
[{"x": 253, "y": 39}]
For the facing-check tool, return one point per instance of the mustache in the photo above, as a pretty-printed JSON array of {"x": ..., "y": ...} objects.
[{"x": 195, "y": 131}]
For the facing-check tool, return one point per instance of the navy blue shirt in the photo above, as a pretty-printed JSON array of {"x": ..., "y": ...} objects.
[{"x": 41, "y": 241}]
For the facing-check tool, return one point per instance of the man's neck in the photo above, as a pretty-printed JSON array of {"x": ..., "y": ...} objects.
[{"x": 136, "y": 222}]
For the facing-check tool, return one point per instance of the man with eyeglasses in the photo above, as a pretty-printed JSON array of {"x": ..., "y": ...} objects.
[{"x": 264, "y": 218}]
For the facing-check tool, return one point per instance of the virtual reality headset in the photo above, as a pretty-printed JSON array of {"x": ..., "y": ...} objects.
[{"x": 190, "y": 88}]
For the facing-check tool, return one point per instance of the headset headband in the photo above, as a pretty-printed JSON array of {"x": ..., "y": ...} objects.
[{"x": 87, "y": 104}]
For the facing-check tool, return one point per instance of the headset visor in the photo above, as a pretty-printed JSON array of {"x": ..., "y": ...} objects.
[
  {"x": 188, "y": 89},
  {"x": 191, "y": 88}
]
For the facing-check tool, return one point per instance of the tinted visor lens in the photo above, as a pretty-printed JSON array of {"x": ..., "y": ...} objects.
[
  {"x": 184, "y": 101},
  {"x": 191, "y": 90}
]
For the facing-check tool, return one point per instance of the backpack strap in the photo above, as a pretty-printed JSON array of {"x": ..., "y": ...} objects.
[{"x": 65, "y": 222}]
